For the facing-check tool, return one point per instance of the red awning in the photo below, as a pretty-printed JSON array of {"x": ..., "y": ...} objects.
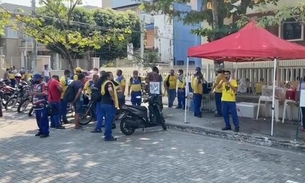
[{"x": 251, "y": 43}]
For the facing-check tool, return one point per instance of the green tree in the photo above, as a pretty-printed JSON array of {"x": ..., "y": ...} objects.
[
  {"x": 67, "y": 29},
  {"x": 5, "y": 20},
  {"x": 214, "y": 12},
  {"x": 109, "y": 18}
]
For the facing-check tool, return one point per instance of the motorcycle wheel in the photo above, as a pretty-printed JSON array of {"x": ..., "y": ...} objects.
[
  {"x": 86, "y": 117},
  {"x": 11, "y": 103},
  {"x": 126, "y": 130},
  {"x": 31, "y": 112},
  {"x": 23, "y": 105},
  {"x": 6, "y": 96}
]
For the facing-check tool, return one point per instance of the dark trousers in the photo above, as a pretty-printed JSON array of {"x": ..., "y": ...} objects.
[
  {"x": 63, "y": 109},
  {"x": 55, "y": 118},
  {"x": 230, "y": 107},
  {"x": 303, "y": 116},
  {"x": 42, "y": 121},
  {"x": 171, "y": 97},
  {"x": 13, "y": 82},
  {"x": 218, "y": 103},
  {"x": 108, "y": 112},
  {"x": 181, "y": 98},
  {"x": 197, "y": 99},
  {"x": 136, "y": 98}
]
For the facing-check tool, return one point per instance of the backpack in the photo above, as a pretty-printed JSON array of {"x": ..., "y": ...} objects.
[
  {"x": 167, "y": 81},
  {"x": 69, "y": 95},
  {"x": 96, "y": 94}
]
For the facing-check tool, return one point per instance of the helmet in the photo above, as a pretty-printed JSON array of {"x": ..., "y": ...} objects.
[
  {"x": 18, "y": 75},
  {"x": 78, "y": 69}
]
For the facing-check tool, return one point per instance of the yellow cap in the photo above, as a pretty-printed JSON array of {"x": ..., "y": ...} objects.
[{"x": 78, "y": 69}]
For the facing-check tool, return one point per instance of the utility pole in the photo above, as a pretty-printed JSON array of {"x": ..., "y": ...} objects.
[
  {"x": 34, "y": 54},
  {"x": 142, "y": 38}
]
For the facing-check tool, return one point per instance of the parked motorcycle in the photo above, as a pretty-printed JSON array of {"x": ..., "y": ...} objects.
[
  {"x": 134, "y": 117},
  {"x": 18, "y": 96}
]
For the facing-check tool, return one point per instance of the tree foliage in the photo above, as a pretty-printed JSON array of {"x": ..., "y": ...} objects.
[
  {"x": 5, "y": 21},
  {"x": 72, "y": 31},
  {"x": 211, "y": 9},
  {"x": 277, "y": 14}
]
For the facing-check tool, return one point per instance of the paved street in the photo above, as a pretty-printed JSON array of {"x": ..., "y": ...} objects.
[{"x": 150, "y": 157}]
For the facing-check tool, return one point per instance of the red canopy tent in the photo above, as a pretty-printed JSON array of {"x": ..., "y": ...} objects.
[{"x": 251, "y": 43}]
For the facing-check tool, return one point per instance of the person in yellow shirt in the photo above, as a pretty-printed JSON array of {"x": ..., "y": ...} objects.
[
  {"x": 197, "y": 85},
  {"x": 135, "y": 86},
  {"x": 90, "y": 83},
  {"x": 11, "y": 75},
  {"x": 181, "y": 90},
  {"x": 229, "y": 88},
  {"x": 122, "y": 85},
  {"x": 78, "y": 71},
  {"x": 64, "y": 82},
  {"x": 170, "y": 85},
  {"x": 218, "y": 92},
  {"x": 259, "y": 86}
]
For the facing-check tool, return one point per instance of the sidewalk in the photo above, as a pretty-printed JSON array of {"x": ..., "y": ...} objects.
[{"x": 251, "y": 131}]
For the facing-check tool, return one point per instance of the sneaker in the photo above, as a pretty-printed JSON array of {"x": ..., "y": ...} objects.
[
  {"x": 66, "y": 122},
  {"x": 178, "y": 107},
  {"x": 44, "y": 135},
  {"x": 236, "y": 129},
  {"x": 226, "y": 128},
  {"x": 111, "y": 139},
  {"x": 60, "y": 127},
  {"x": 96, "y": 131},
  {"x": 38, "y": 134}
]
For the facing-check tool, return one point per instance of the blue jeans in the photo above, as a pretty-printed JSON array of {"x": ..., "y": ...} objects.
[
  {"x": 99, "y": 116},
  {"x": 63, "y": 110},
  {"x": 218, "y": 103},
  {"x": 13, "y": 82},
  {"x": 42, "y": 121},
  {"x": 46, "y": 79},
  {"x": 55, "y": 119},
  {"x": 181, "y": 98},
  {"x": 93, "y": 110},
  {"x": 171, "y": 97},
  {"x": 230, "y": 107},
  {"x": 134, "y": 99},
  {"x": 197, "y": 99},
  {"x": 108, "y": 111},
  {"x": 303, "y": 114}
]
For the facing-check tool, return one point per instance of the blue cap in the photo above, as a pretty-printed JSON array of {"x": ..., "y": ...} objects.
[{"x": 37, "y": 76}]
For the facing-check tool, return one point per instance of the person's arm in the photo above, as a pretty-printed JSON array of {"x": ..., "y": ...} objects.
[
  {"x": 87, "y": 84},
  {"x": 79, "y": 92},
  {"x": 129, "y": 87},
  {"x": 195, "y": 84},
  {"x": 111, "y": 90},
  {"x": 123, "y": 85},
  {"x": 233, "y": 85},
  {"x": 164, "y": 82},
  {"x": 220, "y": 84},
  {"x": 58, "y": 86}
]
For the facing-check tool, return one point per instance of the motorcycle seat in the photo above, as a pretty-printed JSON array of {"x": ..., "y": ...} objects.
[{"x": 141, "y": 108}]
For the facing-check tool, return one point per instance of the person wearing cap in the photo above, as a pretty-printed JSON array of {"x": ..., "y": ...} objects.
[
  {"x": 78, "y": 71},
  {"x": 197, "y": 85},
  {"x": 181, "y": 90},
  {"x": 218, "y": 92},
  {"x": 39, "y": 93}
]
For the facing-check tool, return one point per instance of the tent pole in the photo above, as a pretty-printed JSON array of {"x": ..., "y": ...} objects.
[
  {"x": 273, "y": 95},
  {"x": 186, "y": 89}
]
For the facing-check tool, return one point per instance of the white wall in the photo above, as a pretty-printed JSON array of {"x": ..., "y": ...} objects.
[{"x": 164, "y": 37}]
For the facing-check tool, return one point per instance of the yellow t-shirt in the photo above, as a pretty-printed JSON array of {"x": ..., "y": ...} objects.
[
  {"x": 11, "y": 75},
  {"x": 172, "y": 81},
  {"x": 258, "y": 87},
  {"x": 136, "y": 84},
  {"x": 197, "y": 85},
  {"x": 181, "y": 82},
  {"x": 75, "y": 77},
  {"x": 228, "y": 95},
  {"x": 63, "y": 84},
  {"x": 87, "y": 87},
  {"x": 217, "y": 81}
]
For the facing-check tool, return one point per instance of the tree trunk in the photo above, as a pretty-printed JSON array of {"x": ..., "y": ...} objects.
[
  {"x": 88, "y": 58},
  {"x": 70, "y": 61}
]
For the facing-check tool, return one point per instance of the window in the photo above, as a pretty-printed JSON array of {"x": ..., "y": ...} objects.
[
  {"x": 192, "y": 62},
  {"x": 291, "y": 30},
  {"x": 180, "y": 62},
  {"x": 11, "y": 33}
]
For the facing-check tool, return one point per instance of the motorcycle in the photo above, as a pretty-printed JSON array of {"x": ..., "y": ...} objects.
[
  {"x": 134, "y": 117},
  {"x": 18, "y": 96}
]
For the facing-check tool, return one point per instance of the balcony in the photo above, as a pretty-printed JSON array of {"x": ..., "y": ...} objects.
[{"x": 28, "y": 45}]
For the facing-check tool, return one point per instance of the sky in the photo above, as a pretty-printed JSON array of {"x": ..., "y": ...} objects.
[{"x": 28, "y": 2}]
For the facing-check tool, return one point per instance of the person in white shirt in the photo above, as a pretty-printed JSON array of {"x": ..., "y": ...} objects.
[
  {"x": 302, "y": 87},
  {"x": 46, "y": 73}
]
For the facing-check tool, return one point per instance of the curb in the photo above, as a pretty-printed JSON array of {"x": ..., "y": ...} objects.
[{"x": 241, "y": 137}]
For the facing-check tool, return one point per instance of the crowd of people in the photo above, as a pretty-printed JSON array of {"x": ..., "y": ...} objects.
[{"x": 51, "y": 94}]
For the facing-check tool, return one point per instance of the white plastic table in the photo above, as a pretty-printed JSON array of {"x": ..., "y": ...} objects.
[
  {"x": 268, "y": 99},
  {"x": 288, "y": 102}
]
